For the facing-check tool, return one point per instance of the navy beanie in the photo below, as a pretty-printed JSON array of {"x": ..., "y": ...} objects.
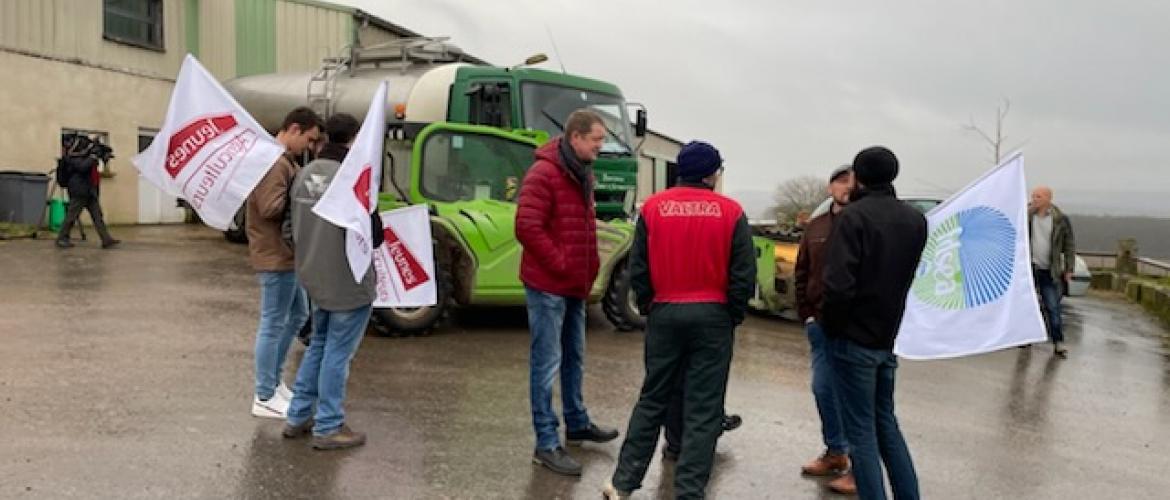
[
  {"x": 697, "y": 161},
  {"x": 875, "y": 166}
]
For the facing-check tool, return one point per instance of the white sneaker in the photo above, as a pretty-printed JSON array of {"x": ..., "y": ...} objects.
[
  {"x": 284, "y": 392},
  {"x": 275, "y": 407}
]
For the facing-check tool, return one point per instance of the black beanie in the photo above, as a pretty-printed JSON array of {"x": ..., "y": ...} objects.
[
  {"x": 875, "y": 166},
  {"x": 698, "y": 160}
]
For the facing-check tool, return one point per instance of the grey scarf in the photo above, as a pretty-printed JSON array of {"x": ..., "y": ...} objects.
[{"x": 581, "y": 171}]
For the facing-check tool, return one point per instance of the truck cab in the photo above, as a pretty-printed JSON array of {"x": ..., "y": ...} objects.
[{"x": 535, "y": 99}]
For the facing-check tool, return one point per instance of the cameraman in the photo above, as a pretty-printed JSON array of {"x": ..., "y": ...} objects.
[{"x": 78, "y": 173}]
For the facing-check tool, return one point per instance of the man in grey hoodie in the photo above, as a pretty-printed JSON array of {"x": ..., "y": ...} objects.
[{"x": 341, "y": 307}]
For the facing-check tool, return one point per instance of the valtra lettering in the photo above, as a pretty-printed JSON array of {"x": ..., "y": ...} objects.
[
  {"x": 672, "y": 208},
  {"x": 188, "y": 141}
]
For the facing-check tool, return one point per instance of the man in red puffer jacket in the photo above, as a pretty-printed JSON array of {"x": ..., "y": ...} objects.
[{"x": 556, "y": 225}]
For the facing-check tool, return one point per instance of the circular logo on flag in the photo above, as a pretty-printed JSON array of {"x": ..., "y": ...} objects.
[{"x": 968, "y": 261}]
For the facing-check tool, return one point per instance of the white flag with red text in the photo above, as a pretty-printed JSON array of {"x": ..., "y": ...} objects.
[
  {"x": 405, "y": 263},
  {"x": 353, "y": 194},
  {"x": 210, "y": 152}
]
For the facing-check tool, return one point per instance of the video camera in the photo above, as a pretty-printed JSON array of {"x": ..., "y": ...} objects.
[{"x": 80, "y": 145}]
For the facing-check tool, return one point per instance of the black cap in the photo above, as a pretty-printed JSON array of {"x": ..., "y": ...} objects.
[
  {"x": 874, "y": 166},
  {"x": 839, "y": 171},
  {"x": 698, "y": 160}
]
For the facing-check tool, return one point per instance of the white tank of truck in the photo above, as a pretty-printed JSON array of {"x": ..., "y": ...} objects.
[{"x": 419, "y": 72}]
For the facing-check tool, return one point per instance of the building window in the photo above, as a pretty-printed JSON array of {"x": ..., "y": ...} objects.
[
  {"x": 145, "y": 137},
  {"x": 665, "y": 174},
  {"x": 134, "y": 22},
  {"x": 102, "y": 151},
  {"x": 657, "y": 174}
]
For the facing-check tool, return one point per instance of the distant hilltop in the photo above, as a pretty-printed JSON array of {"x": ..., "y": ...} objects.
[
  {"x": 757, "y": 202},
  {"x": 1101, "y": 232},
  {"x": 1099, "y": 218}
]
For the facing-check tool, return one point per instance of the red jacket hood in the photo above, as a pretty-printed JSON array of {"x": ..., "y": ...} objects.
[{"x": 550, "y": 151}]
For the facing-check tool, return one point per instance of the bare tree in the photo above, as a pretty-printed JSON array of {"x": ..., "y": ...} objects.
[
  {"x": 796, "y": 195},
  {"x": 997, "y": 142}
]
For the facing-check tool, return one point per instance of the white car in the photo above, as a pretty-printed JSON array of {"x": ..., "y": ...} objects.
[
  {"x": 1081, "y": 279},
  {"x": 1076, "y": 287}
]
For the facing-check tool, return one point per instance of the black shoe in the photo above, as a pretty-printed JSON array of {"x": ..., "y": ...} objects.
[
  {"x": 111, "y": 244},
  {"x": 670, "y": 454},
  {"x": 731, "y": 422},
  {"x": 557, "y": 461},
  {"x": 64, "y": 244},
  {"x": 1060, "y": 350},
  {"x": 592, "y": 433}
]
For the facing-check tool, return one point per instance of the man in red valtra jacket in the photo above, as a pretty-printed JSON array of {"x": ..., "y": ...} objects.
[
  {"x": 556, "y": 224},
  {"x": 693, "y": 269}
]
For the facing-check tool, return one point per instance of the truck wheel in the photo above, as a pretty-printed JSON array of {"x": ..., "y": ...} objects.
[
  {"x": 235, "y": 232},
  {"x": 619, "y": 303},
  {"x": 409, "y": 321}
]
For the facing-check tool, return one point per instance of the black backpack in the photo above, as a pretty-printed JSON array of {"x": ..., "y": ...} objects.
[{"x": 62, "y": 173}]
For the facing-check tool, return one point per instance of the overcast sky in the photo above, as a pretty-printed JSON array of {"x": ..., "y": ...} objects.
[{"x": 786, "y": 88}]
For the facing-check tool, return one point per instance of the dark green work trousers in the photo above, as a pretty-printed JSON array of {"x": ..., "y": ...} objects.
[{"x": 696, "y": 338}]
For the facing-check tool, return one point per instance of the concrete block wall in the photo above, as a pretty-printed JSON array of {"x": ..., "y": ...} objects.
[{"x": 1152, "y": 295}]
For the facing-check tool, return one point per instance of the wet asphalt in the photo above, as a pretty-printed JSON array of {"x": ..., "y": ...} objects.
[{"x": 127, "y": 374}]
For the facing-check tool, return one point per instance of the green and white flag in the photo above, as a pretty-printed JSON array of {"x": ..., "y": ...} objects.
[{"x": 973, "y": 292}]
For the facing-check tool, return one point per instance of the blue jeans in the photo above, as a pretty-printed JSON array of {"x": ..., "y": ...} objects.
[
  {"x": 558, "y": 344},
  {"x": 1050, "y": 295},
  {"x": 283, "y": 310},
  {"x": 865, "y": 387},
  {"x": 832, "y": 430},
  {"x": 325, "y": 368}
]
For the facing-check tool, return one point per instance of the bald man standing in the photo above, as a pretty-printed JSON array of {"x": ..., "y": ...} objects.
[{"x": 1053, "y": 259}]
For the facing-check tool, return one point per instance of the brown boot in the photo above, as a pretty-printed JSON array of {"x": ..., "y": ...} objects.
[
  {"x": 295, "y": 431},
  {"x": 844, "y": 485},
  {"x": 829, "y": 464},
  {"x": 343, "y": 438}
]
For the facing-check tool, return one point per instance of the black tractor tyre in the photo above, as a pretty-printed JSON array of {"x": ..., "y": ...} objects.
[
  {"x": 619, "y": 303},
  {"x": 415, "y": 321}
]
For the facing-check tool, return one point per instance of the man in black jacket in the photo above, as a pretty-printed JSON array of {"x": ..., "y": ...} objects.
[
  {"x": 873, "y": 253},
  {"x": 81, "y": 178}
]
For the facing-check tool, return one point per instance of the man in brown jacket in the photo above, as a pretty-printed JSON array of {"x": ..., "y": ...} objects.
[
  {"x": 283, "y": 306},
  {"x": 810, "y": 265}
]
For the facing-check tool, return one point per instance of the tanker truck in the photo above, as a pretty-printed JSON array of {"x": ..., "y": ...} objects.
[{"x": 460, "y": 138}]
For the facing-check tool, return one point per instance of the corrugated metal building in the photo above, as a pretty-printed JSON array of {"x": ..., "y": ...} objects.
[{"x": 107, "y": 67}]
